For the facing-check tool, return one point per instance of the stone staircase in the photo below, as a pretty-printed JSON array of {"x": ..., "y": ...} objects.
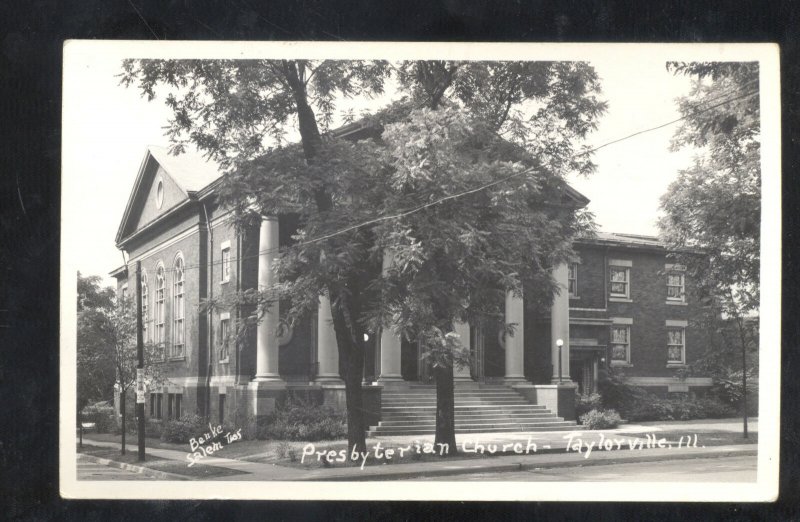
[{"x": 479, "y": 408}]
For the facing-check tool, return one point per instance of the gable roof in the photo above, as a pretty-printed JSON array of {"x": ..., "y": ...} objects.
[{"x": 190, "y": 171}]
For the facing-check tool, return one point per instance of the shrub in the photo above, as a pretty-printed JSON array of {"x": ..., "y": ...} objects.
[
  {"x": 153, "y": 428},
  {"x": 102, "y": 415},
  {"x": 585, "y": 403},
  {"x": 300, "y": 420},
  {"x": 600, "y": 419},
  {"x": 183, "y": 429},
  {"x": 715, "y": 409}
]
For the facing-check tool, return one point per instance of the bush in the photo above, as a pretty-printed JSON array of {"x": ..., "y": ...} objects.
[
  {"x": 183, "y": 429},
  {"x": 585, "y": 403},
  {"x": 300, "y": 420},
  {"x": 153, "y": 428},
  {"x": 715, "y": 409},
  {"x": 102, "y": 415},
  {"x": 600, "y": 419},
  {"x": 683, "y": 408}
]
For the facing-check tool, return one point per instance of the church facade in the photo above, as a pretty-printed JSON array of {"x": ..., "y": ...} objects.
[{"x": 622, "y": 305}]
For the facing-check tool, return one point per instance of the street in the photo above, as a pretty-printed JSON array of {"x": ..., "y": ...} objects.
[
  {"x": 88, "y": 470},
  {"x": 730, "y": 469}
]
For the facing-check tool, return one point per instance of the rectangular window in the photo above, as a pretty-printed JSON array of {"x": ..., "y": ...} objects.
[
  {"x": 572, "y": 279},
  {"x": 621, "y": 282},
  {"x": 178, "y": 400},
  {"x": 226, "y": 264},
  {"x": 224, "y": 336},
  {"x": 675, "y": 287},
  {"x": 170, "y": 404},
  {"x": 620, "y": 344},
  {"x": 676, "y": 345},
  {"x": 178, "y": 310},
  {"x": 221, "y": 408},
  {"x": 145, "y": 296},
  {"x": 160, "y": 308},
  {"x": 155, "y": 405}
]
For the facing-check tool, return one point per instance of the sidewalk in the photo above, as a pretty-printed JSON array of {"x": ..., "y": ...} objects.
[{"x": 550, "y": 451}]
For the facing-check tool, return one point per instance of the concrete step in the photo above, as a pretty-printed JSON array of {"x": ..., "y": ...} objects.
[
  {"x": 471, "y": 407},
  {"x": 431, "y": 404},
  {"x": 427, "y": 431},
  {"x": 473, "y": 422},
  {"x": 472, "y": 415},
  {"x": 469, "y": 412},
  {"x": 432, "y": 419}
]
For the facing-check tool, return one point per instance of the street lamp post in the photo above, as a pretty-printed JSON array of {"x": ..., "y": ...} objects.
[{"x": 560, "y": 344}]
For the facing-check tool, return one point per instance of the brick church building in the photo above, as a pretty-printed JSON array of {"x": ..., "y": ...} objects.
[{"x": 622, "y": 305}]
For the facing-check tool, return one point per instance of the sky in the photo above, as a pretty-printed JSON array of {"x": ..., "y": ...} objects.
[{"x": 107, "y": 128}]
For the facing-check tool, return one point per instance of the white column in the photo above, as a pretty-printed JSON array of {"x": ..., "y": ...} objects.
[
  {"x": 515, "y": 344},
  {"x": 462, "y": 374},
  {"x": 390, "y": 344},
  {"x": 327, "y": 348},
  {"x": 267, "y": 339},
  {"x": 559, "y": 324}
]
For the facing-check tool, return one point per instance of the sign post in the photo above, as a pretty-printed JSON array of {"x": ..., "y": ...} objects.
[{"x": 140, "y": 386}]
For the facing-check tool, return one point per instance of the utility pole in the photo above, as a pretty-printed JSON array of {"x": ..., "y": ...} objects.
[{"x": 140, "y": 391}]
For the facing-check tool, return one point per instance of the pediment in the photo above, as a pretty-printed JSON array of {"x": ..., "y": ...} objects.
[{"x": 164, "y": 183}]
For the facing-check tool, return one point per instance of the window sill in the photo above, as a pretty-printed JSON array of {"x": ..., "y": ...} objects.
[
  {"x": 677, "y": 303},
  {"x": 677, "y": 365},
  {"x": 224, "y": 361},
  {"x": 621, "y": 364},
  {"x": 574, "y": 297},
  {"x": 177, "y": 358},
  {"x": 225, "y": 281},
  {"x": 620, "y": 300}
]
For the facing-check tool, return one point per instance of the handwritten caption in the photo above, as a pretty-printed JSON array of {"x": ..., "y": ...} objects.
[
  {"x": 575, "y": 444},
  {"x": 210, "y": 442}
]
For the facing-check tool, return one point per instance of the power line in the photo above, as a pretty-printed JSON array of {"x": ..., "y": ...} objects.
[{"x": 474, "y": 190}]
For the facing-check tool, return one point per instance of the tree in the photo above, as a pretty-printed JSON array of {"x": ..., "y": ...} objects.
[
  {"x": 95, "y": 366},
  {"x": 227, "y": 108},
  {"x": 230, "y": 110},
  {"x": 454, "y": 261},
  {"x": 107, "y": 358},
  {"x": 714, "y": 206}
]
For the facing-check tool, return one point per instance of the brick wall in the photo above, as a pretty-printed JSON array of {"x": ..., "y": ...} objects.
[{"x": 647, "y": 307}]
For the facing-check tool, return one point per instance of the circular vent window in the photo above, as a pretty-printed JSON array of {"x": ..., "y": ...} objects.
[{"x": 160, "y": 193}]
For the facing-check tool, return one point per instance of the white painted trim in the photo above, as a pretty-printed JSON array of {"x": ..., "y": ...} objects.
[
  {"x": 225, "y": 245},
  {"x": 193, "y": 229},
  {"x": 671, "y": 267},
  {"x": 620, "y": 262},
  {"x": 575, "y": 308},
  {"x": 224, "y": 316},
  {"x": 621, "y": 320},
  {"x": 681, "y": 323}
]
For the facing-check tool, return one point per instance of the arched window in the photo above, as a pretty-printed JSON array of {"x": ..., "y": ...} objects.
[
  {"x": 160, "y": 305},
  {"x": 178, "y": 309},
  {"x": 145, "y": 300}
]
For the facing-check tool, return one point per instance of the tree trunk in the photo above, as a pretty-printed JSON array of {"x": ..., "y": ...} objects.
[
  {"x": 351, "y": 354},
  {"x": 122, "y": 411},
  {"x": 445, "y": 411},
  {"x": 743, "y": 341},
  {"x": 345, "y": 309}
]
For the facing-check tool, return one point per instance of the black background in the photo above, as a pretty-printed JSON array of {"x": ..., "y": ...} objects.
[{"x": 31, "y": 38}]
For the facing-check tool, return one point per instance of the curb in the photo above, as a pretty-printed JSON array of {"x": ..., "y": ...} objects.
[
  {"x": 520, "y": 466},
  {"x": 156, "y": 474}
]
